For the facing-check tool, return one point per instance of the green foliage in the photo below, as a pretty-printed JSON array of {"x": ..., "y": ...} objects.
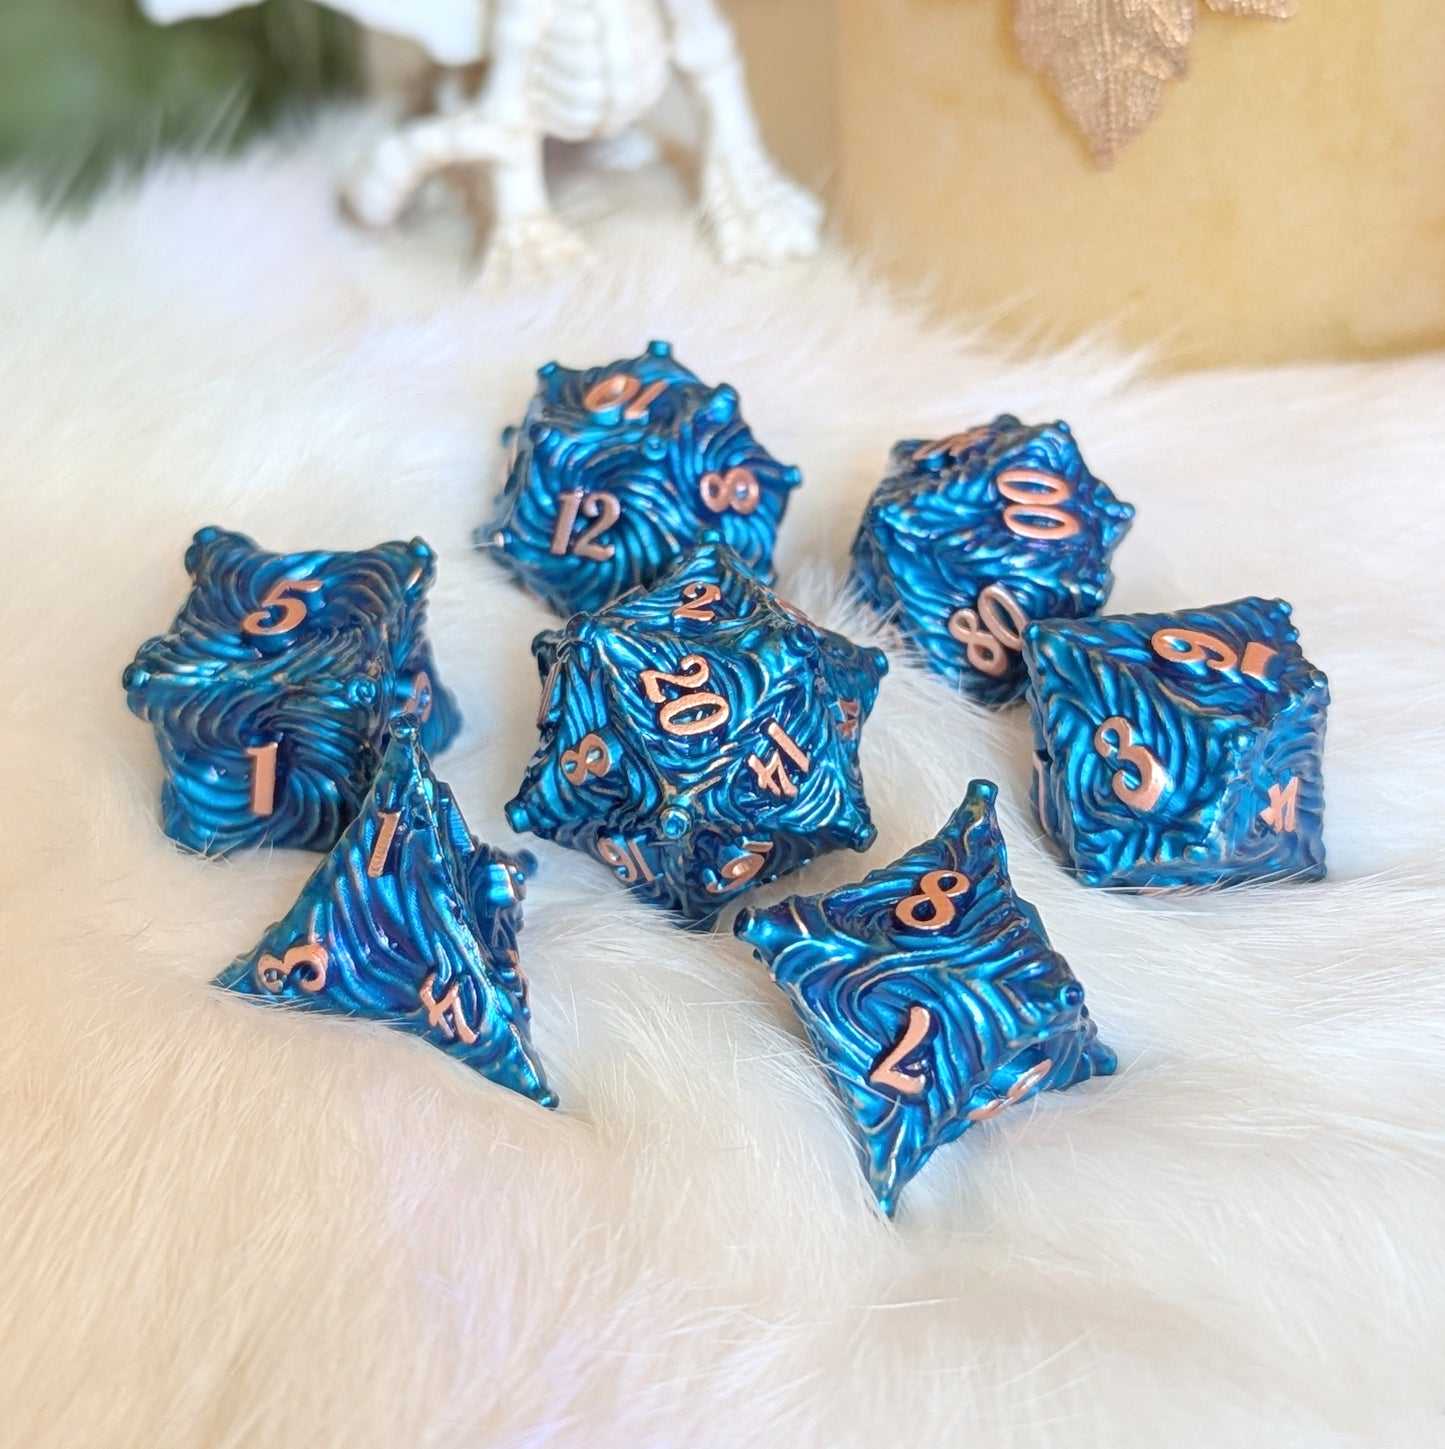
[{"x": 89, "y": 87}]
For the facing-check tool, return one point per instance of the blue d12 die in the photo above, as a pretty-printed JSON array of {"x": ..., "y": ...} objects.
[
  {"x": 617, "y": 471},
  {"x": 700, "y": 737},
  {"x": 411, "y": 921},
  {"x": 930, "y": 993},
  {"x": 968, "y": 538},
  {"x": 1179, "y": 749},
  {"x": 271, "y": 692}
]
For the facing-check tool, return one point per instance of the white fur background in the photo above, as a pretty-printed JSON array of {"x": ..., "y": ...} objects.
[{"x": 224, "y": 1226}]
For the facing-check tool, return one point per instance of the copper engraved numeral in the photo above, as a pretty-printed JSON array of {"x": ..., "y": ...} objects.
[
  {"x": 1282, "y": 812},
  {"x": 591, "y": 757},
  {"x": 622, "y": 388},
  {"x": 1115, "y": 738},
  {"x": 419, "y": 702},
  {"x": 889, "y": 1071},
  {"x": 676, "y": 714},
  {"x": 1034, "y": 504},
  {"x": 625, "y": 857},
  {"x": 601, "y": 506},
  {"x": 284, "y": 596},
  {"x": 263, "y": 778},
  {"x": 771, "y": 773},
  {"x": 697, "y": 601},
  {"x": 988, "y": 631},
  {"x": 950, "y": 446},
  {"x": 1193, "y": 646},
  {"x": 382, "y": 849},
  {"x": 308, "y": 960},
  {"x": 1016, "y": 1093},
  {"x": 741, "y": 868},
  {"x": 446, "y": 1014},
  {"x": 737, "y": 489},
  {"x": 937, "y": 892}
]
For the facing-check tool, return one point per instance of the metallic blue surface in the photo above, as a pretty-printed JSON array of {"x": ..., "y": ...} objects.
[
  {"x": 643, "y": 480},
  {"x": 930, "y": 993},
  {"x": 695, "y": 792},
  {"x": 938, "y": 532},
  {"x": 418, "y": 931},
  {"x": 1210, "y": 773},
  {"x": 229, "y": 676}
]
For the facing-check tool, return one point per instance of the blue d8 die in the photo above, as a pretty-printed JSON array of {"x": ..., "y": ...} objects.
[
  {"x": 617, "y": 471},
  {"x": 1179, "y": 749},
  {"x": 271, "y": 692},
  {"x": 931, "y": 994},
  {"x": 699, "y": 737},
  {"x": 968, "y": 538}
]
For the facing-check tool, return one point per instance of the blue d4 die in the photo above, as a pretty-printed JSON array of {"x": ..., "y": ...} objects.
[
  {"x": 699, "y": 737},
  {"x": 411, "y": 921},
  {"x": 930, "y": 993},
  {"x": 617, "y": 471},
  {"x": 271, "y": 692},
  {"x": 1179, "y": 749},
  {"x": 968, "y": 538}
]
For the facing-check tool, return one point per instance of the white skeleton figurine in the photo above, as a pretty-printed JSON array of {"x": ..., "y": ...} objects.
[{"x": 579, "y": 70}]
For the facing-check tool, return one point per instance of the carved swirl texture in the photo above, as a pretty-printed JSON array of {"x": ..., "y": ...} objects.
[
  {"x": 653, "y": 466},
  {"x": 1000, "y": 1002},
  {"x": 438, "y": 916},
  {"x": 1222, "y": 738},
  {"x": 936, "y": 534},
  {"x": 689, "y": 800},
  {"x": 321, "y": 690}
]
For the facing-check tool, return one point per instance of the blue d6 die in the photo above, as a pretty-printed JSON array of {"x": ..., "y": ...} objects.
[
  {"x": 968, "y": 538},
  {"x": 617, "y": 471},
  {"x": 931, "y": 994},
  {"x": 699, "y": 737},
  {"x": 1179, "y": 749},
  {"x": 271, "y": 692}
]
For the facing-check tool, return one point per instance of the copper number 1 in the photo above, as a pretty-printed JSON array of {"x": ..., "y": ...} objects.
[{"x": 263, "y": 778}]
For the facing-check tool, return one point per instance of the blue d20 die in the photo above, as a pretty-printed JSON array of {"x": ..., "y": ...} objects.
[
  {"x": 930, "y": 993},
  {"x": 968, "y": 538},
  {"x": 1179, "y": 749},
  {"x": 409, "y": 920},
  {"x": 270, "y": 694},
  {"x": 617, "y": 471},
  {"x": 700, "y": 736}
]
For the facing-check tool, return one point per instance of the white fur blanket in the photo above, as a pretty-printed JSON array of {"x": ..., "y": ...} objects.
[{"x": 222, "y": 1225}]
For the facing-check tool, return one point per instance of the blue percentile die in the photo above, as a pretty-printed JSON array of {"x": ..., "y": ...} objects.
[
  {"x": 410, "y": 921},
  {"x": 617, "y": 471},
  {"x": 930, "y": 994},
  {"x": 969, "y": 537},
  {"x": 1179, "y": 749},
  {"x": 700, "y": 736},
  {"x": 271, "y": 692}
]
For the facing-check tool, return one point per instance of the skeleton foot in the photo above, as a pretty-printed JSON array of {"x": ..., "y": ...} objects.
[
  {"x": 531, "y": 248},
  {"x": 379, "y": 189},
  {"x": 756, "y": 213}
]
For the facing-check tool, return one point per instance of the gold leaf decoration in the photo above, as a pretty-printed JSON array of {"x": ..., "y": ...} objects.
[{"x": 1108, "y": 60}]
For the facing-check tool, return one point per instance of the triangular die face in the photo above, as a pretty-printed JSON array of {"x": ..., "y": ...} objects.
[{"x": 388, "y": 927}]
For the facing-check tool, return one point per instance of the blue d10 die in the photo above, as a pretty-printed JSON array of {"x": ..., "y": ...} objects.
[
  {"x": 1179, "y": 749},
  {"x": 700, "y": 737},
  {"x": 617, "y": 471},
  {"x": 270, "y": 695},
  {"x": 968, "y": 538},
  {"x": 411, "y": 921},
  {"x": 930, "y": 993}
]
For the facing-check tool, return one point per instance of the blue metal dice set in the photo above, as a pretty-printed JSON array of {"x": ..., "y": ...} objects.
[{"x": 700, "y": 737}]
